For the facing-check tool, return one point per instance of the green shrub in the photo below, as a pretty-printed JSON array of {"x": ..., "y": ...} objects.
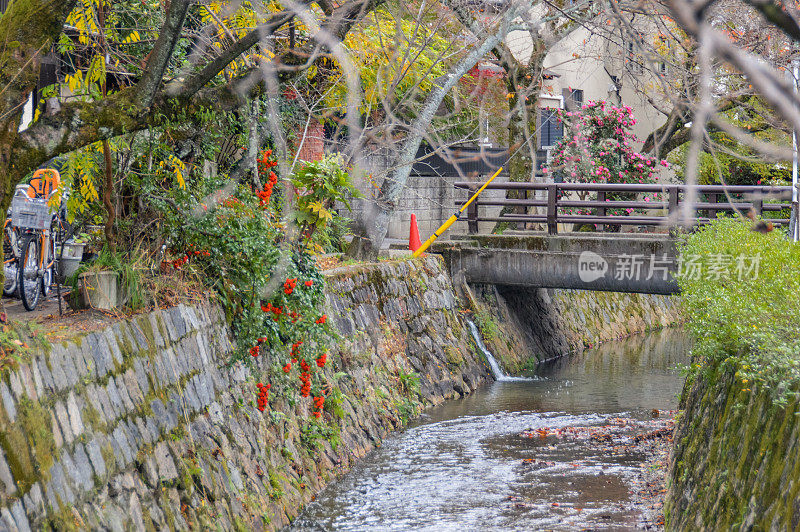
[
  {"x": 238, "y": 248},
  {"x": 750, "y": 319}
]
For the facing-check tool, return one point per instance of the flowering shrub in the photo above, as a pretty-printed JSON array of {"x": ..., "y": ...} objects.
[
  {"x": 273, "y": 304},
  {"x": 597, "y": 147}
]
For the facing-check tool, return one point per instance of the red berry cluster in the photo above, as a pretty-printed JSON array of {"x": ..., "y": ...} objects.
[
  {"x": 277, "y": 311},
  {"x": 177, "y": 263},
  {"x": 319, "y": 402},
  {"x": 263, "y": 395},
  {"x": 322, "y": 359},
  {"x": 289, "y": 285},
  {"x": 305, "y": 379},
  {"x": 265, "y": 162},
  {"x": 256, "y": 349},
  {"x": 264, "y": 165},
  {"x": 295, "y": 347},
  {"x": 322, "y": 319}
]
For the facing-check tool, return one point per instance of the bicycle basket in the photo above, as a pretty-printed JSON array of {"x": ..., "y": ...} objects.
[{"x": 30, "y": 213}]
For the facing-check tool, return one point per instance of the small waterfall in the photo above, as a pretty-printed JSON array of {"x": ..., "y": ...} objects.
[{"x": 497, "y": 371}]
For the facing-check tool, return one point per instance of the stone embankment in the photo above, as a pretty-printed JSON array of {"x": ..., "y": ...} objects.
[
  {"x": 735, "y": 462},
  {"x": 145, "y": 425},
  {"x": 550, "y": 323}
]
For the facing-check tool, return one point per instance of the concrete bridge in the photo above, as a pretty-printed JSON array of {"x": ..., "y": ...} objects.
[
  {"x": 613, "y": 261},
  {"x": 628, "y": 262}
]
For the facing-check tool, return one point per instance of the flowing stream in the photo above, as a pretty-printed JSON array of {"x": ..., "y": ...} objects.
[{"x": 518, "y": 454}]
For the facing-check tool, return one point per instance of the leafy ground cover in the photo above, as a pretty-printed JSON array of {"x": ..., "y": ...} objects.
[{"x": 740, "y": 294}]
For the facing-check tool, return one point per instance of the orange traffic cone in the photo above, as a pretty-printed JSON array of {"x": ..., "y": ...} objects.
[{"x": 413, "y": 237}]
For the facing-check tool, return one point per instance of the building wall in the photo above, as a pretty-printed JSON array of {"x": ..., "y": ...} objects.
[{"x": 585, "y": 60}]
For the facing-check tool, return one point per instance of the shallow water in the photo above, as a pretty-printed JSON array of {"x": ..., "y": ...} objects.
[{"x": 517, "y": 455}]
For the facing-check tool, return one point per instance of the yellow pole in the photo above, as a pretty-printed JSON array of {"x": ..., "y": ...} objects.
[{"x": 450, "y": 221}]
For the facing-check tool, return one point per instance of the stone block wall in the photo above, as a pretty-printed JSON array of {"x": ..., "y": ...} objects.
[
  {"x": 523, "y": 325},
  {"x": 734, "y": 464},
  {"x": 588, "y": 318},
  {"x": 145, "y": 426},
  {"x": 433, "y": 199}
]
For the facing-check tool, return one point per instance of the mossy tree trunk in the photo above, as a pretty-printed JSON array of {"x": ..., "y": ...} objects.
[{"x": 524, "y": 83}]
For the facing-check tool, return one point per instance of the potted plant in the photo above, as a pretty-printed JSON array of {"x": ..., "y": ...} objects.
[
  {"x": 99, "y": 288},
  {"x": 108, "y": 282},
  {"x": 72, "y": 255}
]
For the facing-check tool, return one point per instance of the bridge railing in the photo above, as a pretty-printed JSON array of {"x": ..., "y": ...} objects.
[{"x": 555, "y": 203}]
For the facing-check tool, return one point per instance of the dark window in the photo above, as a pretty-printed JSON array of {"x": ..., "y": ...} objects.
[
  {"x": 633, "y": 60},
  {"x": 550, "y": 129},
  {"x": 573, "y": 99}
]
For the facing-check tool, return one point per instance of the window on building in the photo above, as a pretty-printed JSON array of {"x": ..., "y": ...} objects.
[
  {"x": 573, "y": 99},
  {"x": 633, "y": 61},
  {"x": 550, "y": 129}
]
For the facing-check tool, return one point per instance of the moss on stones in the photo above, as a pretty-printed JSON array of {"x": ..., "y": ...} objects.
[{"x": 29, "y": 444}]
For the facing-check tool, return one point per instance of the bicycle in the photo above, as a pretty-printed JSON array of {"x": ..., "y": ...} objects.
[
  {"x": 10, "y": 257},
  {"x": 36, "y": 237}
]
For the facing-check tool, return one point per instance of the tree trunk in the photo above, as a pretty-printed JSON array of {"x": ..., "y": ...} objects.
[
  {"x": 375, "y": 220},
  {"x": 108, "y": 197},
  {"x": 522, "y": 127}
]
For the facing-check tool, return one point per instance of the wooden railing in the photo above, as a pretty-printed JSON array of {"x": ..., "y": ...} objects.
[{"x": 664, "y": 211}]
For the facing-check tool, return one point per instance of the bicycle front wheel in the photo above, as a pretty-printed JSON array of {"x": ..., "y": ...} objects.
[
  {"x": 10, "y": 260},
  {"x": 30, "y": 284}
]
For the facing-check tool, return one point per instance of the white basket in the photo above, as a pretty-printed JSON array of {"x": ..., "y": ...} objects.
[{"x": 30, "y": 213}]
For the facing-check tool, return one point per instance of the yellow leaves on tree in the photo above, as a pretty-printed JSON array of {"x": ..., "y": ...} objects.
[{"x": 176, "y": 167}]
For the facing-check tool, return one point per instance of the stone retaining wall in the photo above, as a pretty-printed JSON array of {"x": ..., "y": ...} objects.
[
  {"x": 734, "y": 465},
  {"x": 144, "y": 426},
  {"x": 523, "y": 325}
]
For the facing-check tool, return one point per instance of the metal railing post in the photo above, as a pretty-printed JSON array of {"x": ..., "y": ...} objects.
[
  {"x": 601, "y": 211},
  {"x": 758, "y": 203},
  {"x": 552, "y": 211},
  {"x": 472, "y": 215},
  {"x": 672, "y": 209}
]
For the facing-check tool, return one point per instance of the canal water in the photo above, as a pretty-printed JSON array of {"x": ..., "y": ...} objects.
[{"x": 546, "y": 453}]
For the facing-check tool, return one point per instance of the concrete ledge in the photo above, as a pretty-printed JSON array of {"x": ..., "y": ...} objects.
[{"x": 614, "y": 263}]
